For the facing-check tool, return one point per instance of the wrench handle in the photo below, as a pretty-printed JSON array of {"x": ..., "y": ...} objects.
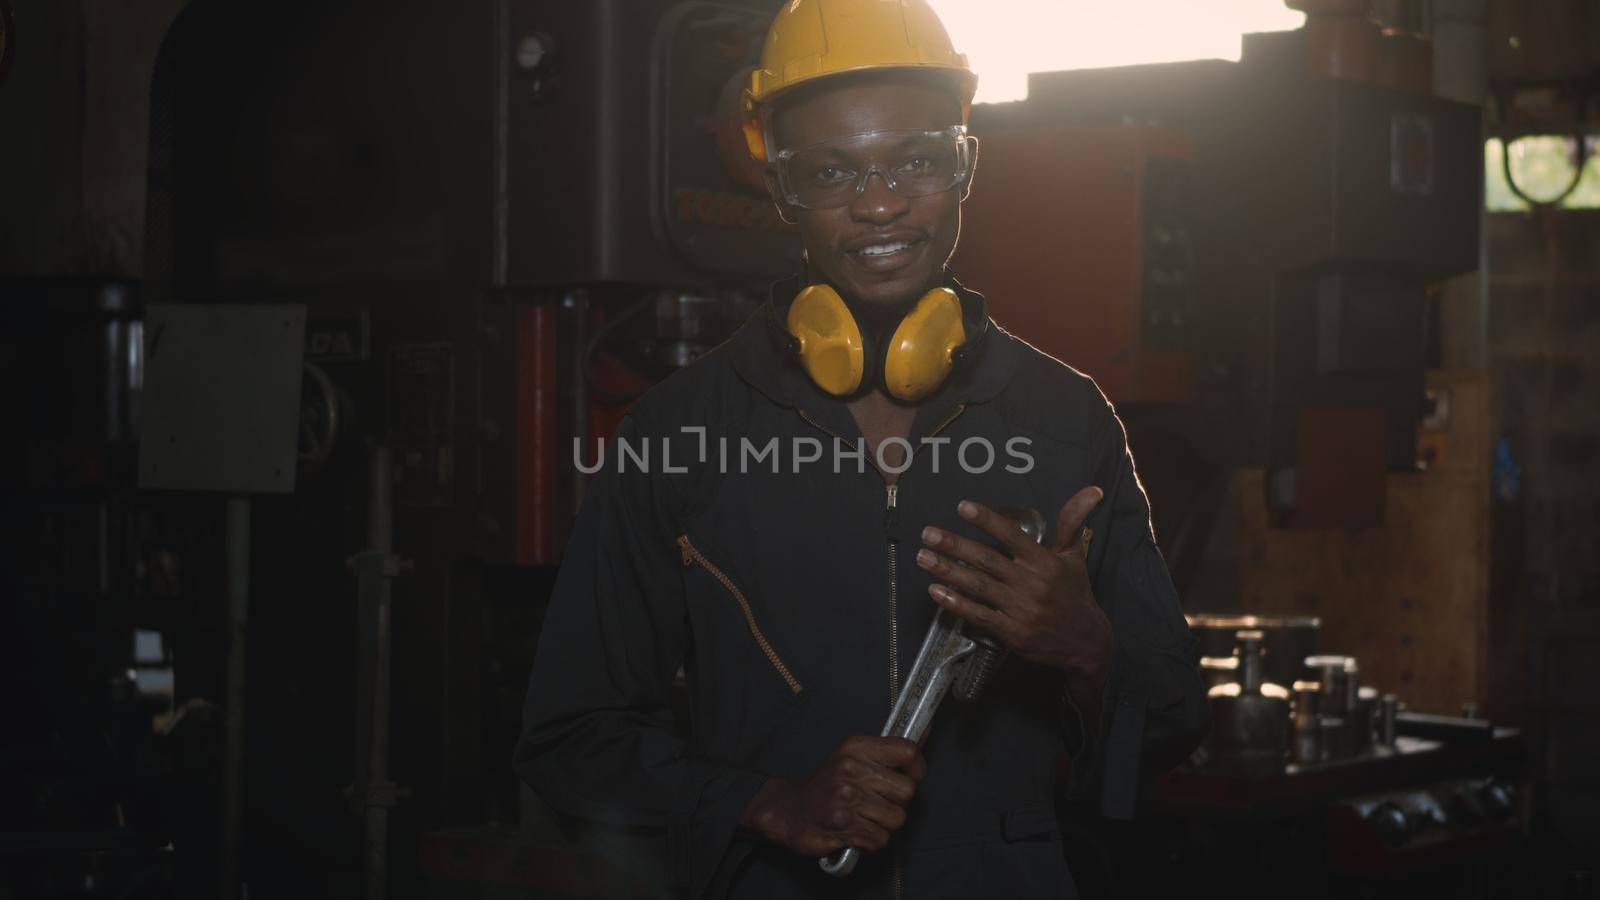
[{"x": 841, "y": 863}]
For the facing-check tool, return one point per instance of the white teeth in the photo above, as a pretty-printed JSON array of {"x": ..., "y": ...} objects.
[{"x": 884, "y": 249}]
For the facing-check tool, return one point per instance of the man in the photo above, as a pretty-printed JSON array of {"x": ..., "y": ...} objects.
[{"x": 793, "y": 591}]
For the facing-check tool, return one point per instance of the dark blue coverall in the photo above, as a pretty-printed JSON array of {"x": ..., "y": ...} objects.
[{"x": 792, "y": 602}]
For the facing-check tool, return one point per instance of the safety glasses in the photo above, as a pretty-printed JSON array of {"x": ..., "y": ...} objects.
[{"x": 913, "y": 163}]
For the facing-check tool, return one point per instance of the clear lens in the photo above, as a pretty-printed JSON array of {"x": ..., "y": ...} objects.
[{"x": 912, "y": 163}]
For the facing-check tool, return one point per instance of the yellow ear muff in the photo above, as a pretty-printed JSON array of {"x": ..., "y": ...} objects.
[
  {"x": 831, "y": 350},
  {"x": 921, "y": 353},
  {"x": 917, "y": 360}
]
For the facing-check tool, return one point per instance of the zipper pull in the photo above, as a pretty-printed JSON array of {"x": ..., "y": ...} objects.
[
  {"x": 891, "y": 514},
  {"x": 688, "y": 552}
]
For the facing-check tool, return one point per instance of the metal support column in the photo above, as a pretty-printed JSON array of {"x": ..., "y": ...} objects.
[{"x": 373, "y": 794}]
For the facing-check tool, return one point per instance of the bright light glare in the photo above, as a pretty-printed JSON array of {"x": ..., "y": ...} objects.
[{"x": 1006, "y": 39}]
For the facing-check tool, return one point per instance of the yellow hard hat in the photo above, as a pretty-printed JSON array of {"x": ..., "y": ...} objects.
[{"x": 813, "y": 39}]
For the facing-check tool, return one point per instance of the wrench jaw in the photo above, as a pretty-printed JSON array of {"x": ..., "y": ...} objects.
[{"x": 980, "y": 668}]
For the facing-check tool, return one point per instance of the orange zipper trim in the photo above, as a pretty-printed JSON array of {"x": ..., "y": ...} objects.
[{"x": 692, "y": 556}]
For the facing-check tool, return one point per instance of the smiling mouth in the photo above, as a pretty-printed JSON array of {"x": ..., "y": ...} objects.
[
  {"x": 888, "y": 253},
  {"x": 885, "y": 249}
]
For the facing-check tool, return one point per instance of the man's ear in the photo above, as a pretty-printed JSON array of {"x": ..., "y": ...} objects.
[
  {"x": 972, "y": 169},
  {"x": 786, "y": 211}
]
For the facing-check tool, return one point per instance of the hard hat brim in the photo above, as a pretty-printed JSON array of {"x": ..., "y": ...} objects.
[{"x": 755, "y": 104}]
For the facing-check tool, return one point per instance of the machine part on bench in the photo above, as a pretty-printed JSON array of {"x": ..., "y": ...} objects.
[
  {"x": 1307, "y": 726},
  {"x": 1288, "y": 640},
  {"x": 1250, "y": 731}
]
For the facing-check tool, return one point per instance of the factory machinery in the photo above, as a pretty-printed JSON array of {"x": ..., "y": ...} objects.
[
  {"x": 495, "y": 224},
  {"x": 1312, "y": 775},
  {"x": 1242, "y": 255},
  {"x": 502, "y": 223}
]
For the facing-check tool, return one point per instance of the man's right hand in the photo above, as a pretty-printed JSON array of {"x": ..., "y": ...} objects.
[{"x": 856, "y": 798}]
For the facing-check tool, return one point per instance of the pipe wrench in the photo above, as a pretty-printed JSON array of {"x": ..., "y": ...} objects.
[{"x": 953, "y": 653}]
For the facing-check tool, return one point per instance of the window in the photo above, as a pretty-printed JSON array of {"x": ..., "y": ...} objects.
[
  {"x": 1544, "y": 166},
  {"x": 1006, "y": 39}
]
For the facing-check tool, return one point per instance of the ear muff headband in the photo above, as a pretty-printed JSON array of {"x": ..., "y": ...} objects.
[{"x": 917, "y": 359}]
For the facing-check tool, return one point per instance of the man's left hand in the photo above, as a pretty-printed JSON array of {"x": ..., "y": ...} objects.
[{"x": 1038, "y": 602}]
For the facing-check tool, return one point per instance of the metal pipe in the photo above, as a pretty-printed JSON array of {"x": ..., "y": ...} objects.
[
  {"x": 1249, "y": 653},
  {"x": 1307, "y": 723},
  {"x": 380, "y": 529},
  {"x": 579, "y": 299},
  {"x": 1461, "y": 72},
  {"x": 1389, "y": 711},
  {"x": 500, "y": 146},
  {"x": 380, "y": 504},
  {"x": 237, "y": 613},
  {"x": 537, "y": 402}
]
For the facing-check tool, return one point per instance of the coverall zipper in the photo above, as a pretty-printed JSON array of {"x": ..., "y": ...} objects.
[
  {"x": 893, "y": 491},
  {"x": 890, "y": 516}
]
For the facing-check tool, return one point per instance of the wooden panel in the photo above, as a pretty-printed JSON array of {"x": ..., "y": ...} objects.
[{"x": 1408, "y": 598}]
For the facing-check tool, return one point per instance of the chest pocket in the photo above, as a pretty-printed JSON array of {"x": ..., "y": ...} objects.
[{"x": 692, "y": 558}]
